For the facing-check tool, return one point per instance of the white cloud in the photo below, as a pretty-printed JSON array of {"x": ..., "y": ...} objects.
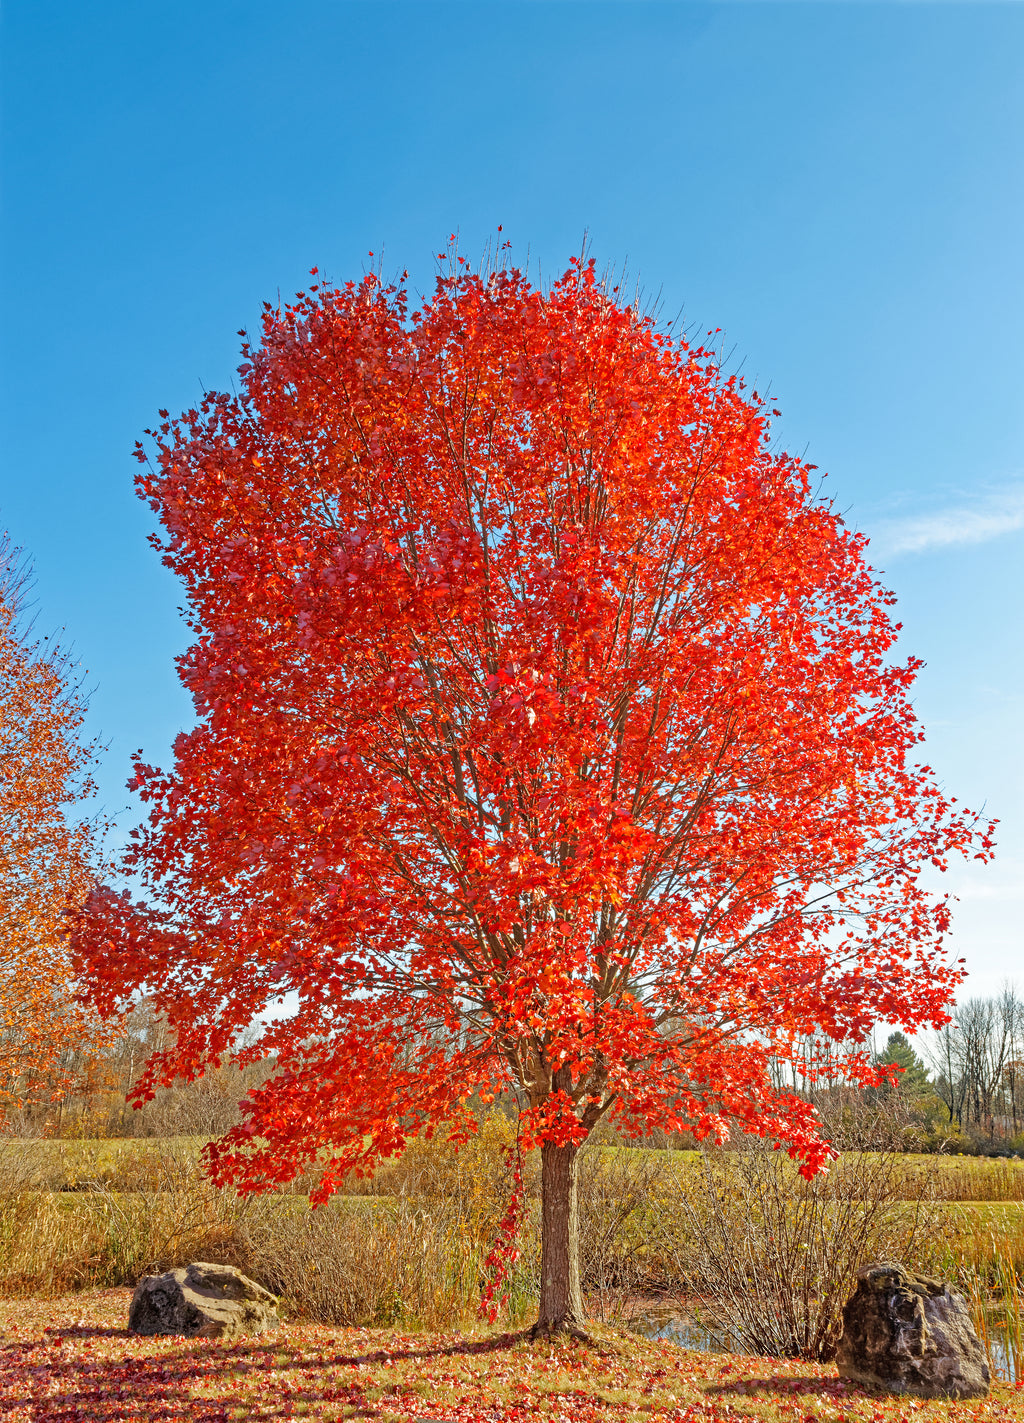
[{"x": 996, "y": 512}]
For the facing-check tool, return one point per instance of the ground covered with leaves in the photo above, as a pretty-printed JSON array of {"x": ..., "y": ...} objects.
[{"x": 72, "y": 1358}]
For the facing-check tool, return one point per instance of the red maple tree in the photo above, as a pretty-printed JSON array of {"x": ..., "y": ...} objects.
[{"x": 546, "y": 742}]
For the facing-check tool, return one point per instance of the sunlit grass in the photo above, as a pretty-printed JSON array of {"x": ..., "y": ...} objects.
[{"x": 71, "y": 1357}]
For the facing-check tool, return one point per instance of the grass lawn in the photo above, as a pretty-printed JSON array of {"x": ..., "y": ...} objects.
[
  {"x": 71, "y": 1358},
  {"x": 82, "y": 1202},
  {"x": 56, "y": 1164}
]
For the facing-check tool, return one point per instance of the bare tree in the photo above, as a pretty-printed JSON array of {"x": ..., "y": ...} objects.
[{"x": 978, "y": 1061}]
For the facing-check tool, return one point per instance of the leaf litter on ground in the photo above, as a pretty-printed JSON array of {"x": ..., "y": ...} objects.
[{"x": 71, "y": 1358}]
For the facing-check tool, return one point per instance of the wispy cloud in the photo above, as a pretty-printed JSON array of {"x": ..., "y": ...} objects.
[{"x": 995, "y": 512}]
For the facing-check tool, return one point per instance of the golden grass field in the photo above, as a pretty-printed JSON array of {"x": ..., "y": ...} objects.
[{"x": 83, "y": 1220}]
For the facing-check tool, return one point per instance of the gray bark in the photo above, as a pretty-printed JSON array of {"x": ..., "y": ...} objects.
[{"x": 561, "y": 1300}]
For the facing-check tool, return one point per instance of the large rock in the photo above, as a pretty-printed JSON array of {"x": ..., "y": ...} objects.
[
  {"x": 204, "y": 1301},
  {"x": 910, "y": 1334}
]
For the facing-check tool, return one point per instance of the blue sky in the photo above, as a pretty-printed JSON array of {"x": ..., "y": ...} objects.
[{"x": 840, "y": 187}]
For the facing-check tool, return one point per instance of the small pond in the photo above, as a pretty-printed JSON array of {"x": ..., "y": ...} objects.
[{"x": 691, "y": 1332}]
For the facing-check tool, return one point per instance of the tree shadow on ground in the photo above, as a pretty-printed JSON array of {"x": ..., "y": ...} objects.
[
  {"x": 201, "y": 1385},
  {"x": 270, "y": 1340},
  {"x": 797, "y": 1384},
  {"x": 209, "y": 1380}
]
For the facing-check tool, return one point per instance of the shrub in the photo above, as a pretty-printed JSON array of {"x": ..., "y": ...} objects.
[{"x": 771, "y": 1263}]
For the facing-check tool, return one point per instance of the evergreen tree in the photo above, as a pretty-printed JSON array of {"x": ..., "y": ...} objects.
[{"x": 913, "y": 1080}]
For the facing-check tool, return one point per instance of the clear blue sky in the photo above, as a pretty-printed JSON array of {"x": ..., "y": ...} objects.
[{"x": 839, "y": 187}]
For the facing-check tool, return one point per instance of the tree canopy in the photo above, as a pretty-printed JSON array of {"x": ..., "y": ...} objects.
[
  {"x": 546, "y": 742},
  {"x": 44, "y": 855}
]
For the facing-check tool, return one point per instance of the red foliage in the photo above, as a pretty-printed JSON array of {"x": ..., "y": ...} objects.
[
  {"x": 546, "y": 738},
  {"x": 505, "y": 1251}
]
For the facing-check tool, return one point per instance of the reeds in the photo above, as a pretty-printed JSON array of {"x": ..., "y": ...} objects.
[
  {"x": 996, "y": 1314},
  {"x": 1011, "y": 1284},
  {"x": 986, "y": 1262},
  {"x": 961, "y": 1179}
]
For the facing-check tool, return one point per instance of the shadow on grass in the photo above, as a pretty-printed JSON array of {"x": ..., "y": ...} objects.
[
  {"x": 206, "y": 1380},
  {"x": 802, "y": 1385},
  {"x": 492, "y": 1344},
  {"x": 52, "y": 1333},
  {"x": 208, "y": 1385}
]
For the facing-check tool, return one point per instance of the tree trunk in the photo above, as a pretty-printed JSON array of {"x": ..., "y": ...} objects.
[{"x": 561, "y": 1302}]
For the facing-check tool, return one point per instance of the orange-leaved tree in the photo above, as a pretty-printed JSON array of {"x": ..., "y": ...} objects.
[
  {"x": 546, "y": 741},
  {"x": 44, "y": 856}
]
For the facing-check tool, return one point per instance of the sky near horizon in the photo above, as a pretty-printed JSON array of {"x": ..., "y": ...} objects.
[{"x": 839, "y": 187}]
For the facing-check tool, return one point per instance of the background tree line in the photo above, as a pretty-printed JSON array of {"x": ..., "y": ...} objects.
[
  {"x": 962, "y": 1092},
  {"x": 978, "y": 1066}
]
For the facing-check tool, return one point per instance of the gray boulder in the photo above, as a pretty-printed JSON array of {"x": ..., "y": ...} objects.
[
  {"x": 910, "y": 1334},
  {"x": 202, "y": 1301}
]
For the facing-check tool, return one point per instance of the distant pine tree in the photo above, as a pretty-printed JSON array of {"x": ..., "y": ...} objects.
[{"x": 913, "y": 1080}]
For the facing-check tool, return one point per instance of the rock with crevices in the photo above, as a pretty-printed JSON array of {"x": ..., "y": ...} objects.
[
  {"x": 911, "y": 1334},
  {"x": 202, "y": 1301}
]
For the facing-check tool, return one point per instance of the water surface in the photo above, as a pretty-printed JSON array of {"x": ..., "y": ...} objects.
[{"x": 691, "y": 1332}]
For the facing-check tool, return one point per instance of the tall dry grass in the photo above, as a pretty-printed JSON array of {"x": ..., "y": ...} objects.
[
  {"x": 409, "y": 1248},
  {"x": 61, "y": 1164},
  {"x": 410, "y": 1255},
  {"x": 769, "y": 1260},
  {"x": 392, "y": 1264},
  {"x": 91, "y": 1236},
  {"x": 961, "y": 1179},
  {"x": 982, "y": 1252}
]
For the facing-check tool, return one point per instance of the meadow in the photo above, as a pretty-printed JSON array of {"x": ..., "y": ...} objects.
[{"x": 388, "y": 1272}]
